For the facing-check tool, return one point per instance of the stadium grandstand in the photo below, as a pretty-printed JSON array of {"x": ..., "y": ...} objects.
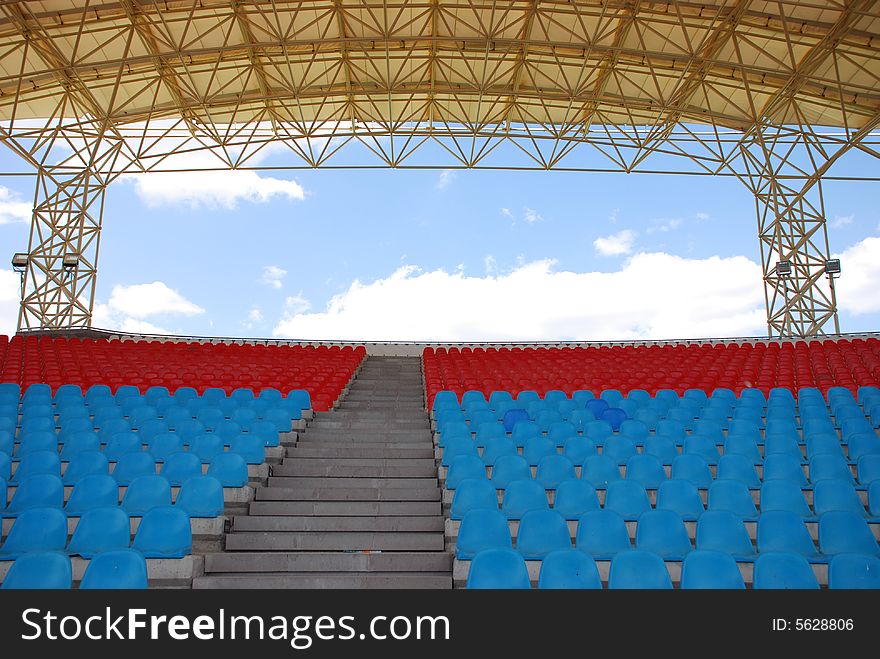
[{"x": 134, "y": 461}]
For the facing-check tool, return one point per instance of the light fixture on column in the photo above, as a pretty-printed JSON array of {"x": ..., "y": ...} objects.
[
  {"x": 19, "y": 261},
  {"x": 832, "y": 267},
  {"x": 70, "y": 261},
  {"x": 783, "y": 269}
]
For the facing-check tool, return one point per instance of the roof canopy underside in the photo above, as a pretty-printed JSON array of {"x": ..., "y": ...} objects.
[{"x": 444, "y": 62}]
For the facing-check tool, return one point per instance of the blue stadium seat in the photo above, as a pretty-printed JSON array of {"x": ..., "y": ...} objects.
[
  {"x": 497, "y": 398},
  {"x": 230, "y": 469},
  {"x": 836, "y": 494},
  {"x": 733, "y": 496},
  {"x": 443, "y": 400},
  {"x": 36, "y": 441},
  {"x": 39, "y": 570},
  {"x": 465, "y": 466},
  {"x": 742, "y": 446},
  {"x": 181, "y": 466},
  {"x": 569, "y": 569},
  {"x": 613, "y": 415},
  {"x": 201, "y": 496},
  {"x": 602, "y": 534},
  {"x": 580, "y": 418},
  {"x": 577, "y": 449},
  {"x": 523, "y": 432},
  {"x": 638, "y": 570},
  {"x": 561, "y": 431},
  {"x": 854, "y": 571},
  {"x": 150, "y": 428},
  {"x": 506, "y": 469},
  {"x": 681, "y": 497},
  {"x": 600, "y": 471},
  {"x": 701, "y": 446},
  {"x": 266, "y": 431},
  {"x": 619, "y": 449},
  {"x": 456, "y": 446},
  {"x": 299, "y": 399},
  {"x": 498, "y": 569},
  {"x": 574, "y": 497},
  {"x": 780, "y": 570},
  {"x": 784, "y": 495},
  {"x": 661, "y": 448},
  {"x": 251, "y": 448},
  {"x": 121, "y": 443},
  {"x": 863, "y": 444},
  {"x": 482, "y": 529},
  {"x": 662, "y": 532},
  {"x": 36, "y": 529},
  {"x": 120, "y": 569},
  {"x": 472, "y": 398},
  {"x": 164, "y": 532},
  {"x": 692, "y": 468},
  {"x": 874, "y": 500},
  {"x": 164, "y": 444},
  {"x": 145, "y": 493},
  {"x": 829, "y": 466},
  {"x": 110, "y": 427},
  {"x": 513, "y": 417},
  {"x": 7, "y": 443},
  {"x": 784, "y": 467},
  {"x": 646, "y": 470},
  {"x": 536, "y": 448},
  {"x": 495, "y": 447},
  {"x": 206, "y": 446},
  {"x": 99, "y": 530},
  {"x": 541, "y": 532},
  {"x": 627, "y": 498},
  {"x": 85, "y": 463},
  {"x": 722, "y": 531},
  {"x": 786, "y": 444},
  {"x": 93, "y": 491},
  {"x": 824, "y": 444},
  {"x": 210, "y": 417},
  {"x": 227, "y": 430},
  {"x": 38, "y": 463},
  {"x": 175, "y": 417},
  {"x": 37, "y": 491},
  {"x": 635, "y": 430},
  {"x": 473, "y": 494},
  {"x": 844, "y": 532},
  {"x": 78, "y": 442},
  {"x": 710, "y": 570},
  {"x": 522, "y": 496},
  {"x": 784, "y": 531},
  {"x": 599, "y": 431},
  {"x": 553, "y": 469},
  {"x": 134, "y": 464}
]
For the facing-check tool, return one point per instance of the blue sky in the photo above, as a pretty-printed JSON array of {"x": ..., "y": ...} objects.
[{"x": 469, "y": 255}]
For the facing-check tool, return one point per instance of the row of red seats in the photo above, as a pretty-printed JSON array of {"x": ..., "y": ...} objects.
[
  {"x": 763, "y": 365},
  {"x": 322, "y": 370}
]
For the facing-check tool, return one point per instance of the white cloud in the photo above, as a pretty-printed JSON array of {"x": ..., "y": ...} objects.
[
  {"x": 692, "y": 298},
  {"x": 616, "y": 244},
  {"x": 10, "y": 290},
  {"x": 531, "y": 216},
  {"x": 490, "y": 264},
  {"x": 506, "y": 213},
  {"x": 273, "y": 276},
  {"x": 12, "y": 208},
  {"x": 842, "y": 221},
  {"x": 130, "y": 306},
  {"x": 664, "y": 226},
  {"x": 702, "y": 216},
  {"x": 295, "y": 305},
  {"x": 447, "y": 176},
  {"x": 211, "y": 189},
  {"x": 860, "y": 277},
  {"x": 255, "y": 315}
]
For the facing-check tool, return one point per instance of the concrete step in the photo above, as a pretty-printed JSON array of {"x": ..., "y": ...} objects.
[
  {"x": 373, "y": 425},
  {"x": 347, "y": 508},
  {"x": 420, "y": 580},
  {"x": 328, "y": 562},
  {"x": 327, "y": 541},
  {"x": 347, "y": 494},
  {"x": 358, "y": 467},
  {"x": 360, "y": 451},
  {"x": 351, "y": 482},
  {"x": 331, "y": 434},
  {"x": 308, "y": 523}
]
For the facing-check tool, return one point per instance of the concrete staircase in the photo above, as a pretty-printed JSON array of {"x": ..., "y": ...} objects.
[{"x": 355, "y": 502}]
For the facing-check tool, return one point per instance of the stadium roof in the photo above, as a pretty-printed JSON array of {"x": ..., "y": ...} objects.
[{"x": 315, "y": 63}]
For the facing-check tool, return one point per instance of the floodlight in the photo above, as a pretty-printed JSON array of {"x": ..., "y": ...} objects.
[
  {"x": 19, "y": 261},
  {"x": 70, "y": 261},
  {"x": 832, "y": 267},
  {"x": 783, "y": 269}
]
